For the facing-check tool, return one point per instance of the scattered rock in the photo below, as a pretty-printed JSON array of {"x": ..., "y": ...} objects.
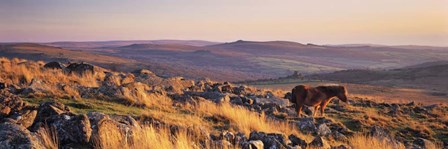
[
  {"x": 16, "y": 136},
  {"x": 254, "y": 144},
  {"x": 72, "y": 129},
  {"x": 48, "y": 109},
  {"x": 306, "y": 125},
  {"x": 216, "y": 97},
  {"x": 424, "y": 143},
  {"x": 54, "y": 65},
  {"x": 319, "y": 142},
  {"x": 222, "y": 144},
  {"x": 10, "y": 103},
  {"x": 80, "y": 68},
  {"x": 339, "y": 136},
  {"x": 27, "y": 117},
  {"x": 379, "y": 132},
  {"x": 295, "y": 141},
  {"x": 323, "y": 130}
]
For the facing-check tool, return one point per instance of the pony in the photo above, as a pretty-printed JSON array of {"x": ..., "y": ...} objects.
[{"x": 316, "y": 97}]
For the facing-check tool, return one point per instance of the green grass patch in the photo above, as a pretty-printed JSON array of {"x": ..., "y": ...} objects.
[{"x": 83, "y": 106}]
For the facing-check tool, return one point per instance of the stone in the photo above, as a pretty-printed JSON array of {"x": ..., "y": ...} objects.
[
  {"x": 72, "y": 129},
  {"x": 48, "y": 109},
  {"x": 379, "y": 132},
  {"x": 16, "y": 136},
  {"x": 222, "y": 144},
  {"x": 80, "y": 68},
  {"x": 226, "y": 89},
  {"x": 240, "y": 138},
  {"x": 255, "y": 144},
  {"x": 319, "y": 142},
  {"x": 395, "y": 110},
  {"x": 228, "y": 136},
  {"x": 424, "y": 143},
  {"x": 296, "y": 141},
  {"x": 339, "y": 136},
  {"x": 256, "y": 135},
  {"x": 323, "y": 130},
  {"x": 216, "y": 97},
  {"x": 54, "y": 65},
  {"x": 27, "y": 117},
  {"x": 293, "y": 147},
  {"x": 10, "y": 103},
  {"x": 236, "y": 100},
  {"x": 306, "y": 125},
  {"x": 5, "y": 111}
]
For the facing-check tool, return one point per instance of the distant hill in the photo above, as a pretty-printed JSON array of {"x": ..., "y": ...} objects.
[
  {"x": 119, "y": 43},
  {"x": 430, "y": 75},
  {"x": 242, "y": 60}
]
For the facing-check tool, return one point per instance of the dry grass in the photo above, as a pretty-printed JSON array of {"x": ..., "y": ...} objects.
[
  {"x": 25, "y": 73},
  {"x": 244, "y": 120},
  {"x": 368, "y": 142},
  {"x": 149, "y": 137},
  {"x": 48, "y": 137},
  {"x": 59, "y": 84}
]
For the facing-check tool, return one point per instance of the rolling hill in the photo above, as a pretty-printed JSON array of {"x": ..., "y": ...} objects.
[
  {"x": 431, "y": 76},
  {"x": 235, "y": 61}
]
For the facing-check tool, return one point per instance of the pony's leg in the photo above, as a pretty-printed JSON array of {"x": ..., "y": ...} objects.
[
  {"x": 315, "y": 111},
  {"x": 322, "y": 108},
  {"x": 299, "y": 111}
]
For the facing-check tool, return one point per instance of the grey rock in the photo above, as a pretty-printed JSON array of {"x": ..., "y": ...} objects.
[
  {"x": 323, "y": 130},
  {"x": 424, "y": 143},
  {"x": 296, "y": 141},
  {"x": 16, "y": 136},
  {"x": 306, "y": 125},
  {"x": 319, "y": 142},
  {"x": 255, "y": 144}
]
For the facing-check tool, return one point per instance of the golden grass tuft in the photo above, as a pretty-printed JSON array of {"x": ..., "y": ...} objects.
[
  {"x": 244, "y": 120},
  {"x": 48, "y": 137},
  {"x": 369, "y": 142},
  {"x": 148, "y": 137}
]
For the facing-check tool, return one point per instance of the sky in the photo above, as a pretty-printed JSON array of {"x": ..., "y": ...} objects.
[{"x": 391, "y": 22}]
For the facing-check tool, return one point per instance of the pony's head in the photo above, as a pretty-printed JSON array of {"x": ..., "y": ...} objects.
[
  {"x": 292, "y": 98},
  {"x": 342, "y": 93}
]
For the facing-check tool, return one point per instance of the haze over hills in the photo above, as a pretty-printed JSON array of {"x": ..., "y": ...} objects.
[{"x": 233, "y": 61}]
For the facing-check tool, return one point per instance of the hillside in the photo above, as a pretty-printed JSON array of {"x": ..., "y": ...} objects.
[
  {"x": 79, "y": 107},
  {"x": 244, "y": 60},
  {"x": 234, "y": 61},
  {"x": 431, "y": 76},
  {"x": 119, "y": 43},
  {"x": 34, "y": 51}
]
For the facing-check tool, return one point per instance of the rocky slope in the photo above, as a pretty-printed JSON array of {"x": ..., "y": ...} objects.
[{"x": 67, "y": 107}]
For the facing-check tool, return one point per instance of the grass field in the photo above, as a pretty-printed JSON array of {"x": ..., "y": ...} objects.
[{"x": 372, "y": 92}]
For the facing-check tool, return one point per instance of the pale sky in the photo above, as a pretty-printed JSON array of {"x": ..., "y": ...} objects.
[{"x": 392, "y": 22}]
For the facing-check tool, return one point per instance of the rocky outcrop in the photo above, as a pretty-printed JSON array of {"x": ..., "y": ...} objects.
[
  {"x": 319, "y": 142},
  {"x": 80, "y": 68},
  {"x": 10, "y": 103},
  {"x": 54, "y": 65},
  {"x": 16, "y": 136}
]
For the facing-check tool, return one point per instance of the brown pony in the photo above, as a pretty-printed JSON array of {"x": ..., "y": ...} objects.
[{"x": 316, "y": 96}]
